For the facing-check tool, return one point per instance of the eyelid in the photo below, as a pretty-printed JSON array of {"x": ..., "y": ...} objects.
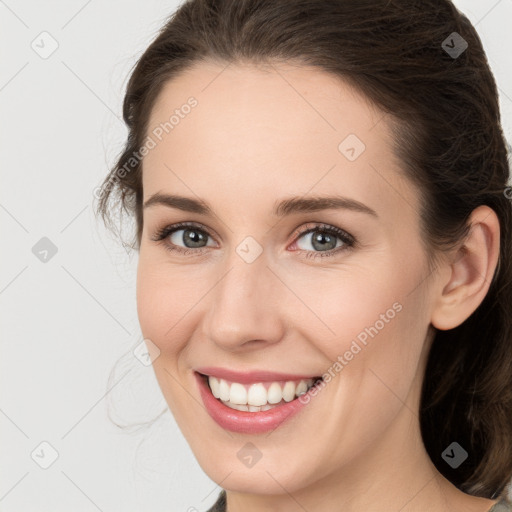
[
  {"x": 162, "y": 233},
  {"x": 348, "y": 240},
  {"x": 310, "y": 227}
]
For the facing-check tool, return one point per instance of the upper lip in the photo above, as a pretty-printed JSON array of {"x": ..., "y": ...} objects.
[{"x": 250, "y": 376}]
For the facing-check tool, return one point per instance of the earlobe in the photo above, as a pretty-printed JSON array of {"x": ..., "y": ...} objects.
[{"x": 471, "y": 271}]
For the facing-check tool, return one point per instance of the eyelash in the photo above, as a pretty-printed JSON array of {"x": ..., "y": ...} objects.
[{"x": 348, "y": 240}]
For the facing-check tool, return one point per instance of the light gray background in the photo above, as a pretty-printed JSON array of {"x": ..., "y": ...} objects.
[{"x": 66, "y": 322}]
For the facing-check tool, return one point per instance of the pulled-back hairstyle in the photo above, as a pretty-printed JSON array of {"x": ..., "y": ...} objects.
[{"x": 442, "y": 107}]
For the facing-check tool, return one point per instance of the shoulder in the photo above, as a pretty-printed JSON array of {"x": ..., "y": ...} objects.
[{"x": 502, "y": 505}]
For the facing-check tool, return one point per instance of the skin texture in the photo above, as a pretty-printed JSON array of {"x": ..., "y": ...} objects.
[{"x": 256, "y": 136}]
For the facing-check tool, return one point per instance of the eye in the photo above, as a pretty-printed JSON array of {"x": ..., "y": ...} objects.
[
  {"x": 187, "y": 233},
  {"x": 194, "y": 238},
  {"x": 324, "y": 240}
]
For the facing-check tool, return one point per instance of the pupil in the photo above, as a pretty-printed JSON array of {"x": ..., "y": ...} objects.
[
  {"x": 318, "y": 240},
  {"x": 195, "y": 237}
]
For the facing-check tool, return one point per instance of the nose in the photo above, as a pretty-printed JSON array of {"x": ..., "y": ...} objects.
[{"x": 247, "y": 306}]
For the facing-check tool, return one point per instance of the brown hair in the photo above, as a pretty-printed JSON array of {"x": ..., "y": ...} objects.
[{"x": 442, "y": 107}]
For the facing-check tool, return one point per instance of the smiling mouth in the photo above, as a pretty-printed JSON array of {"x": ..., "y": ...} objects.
[{"x": 257, "y": 396}]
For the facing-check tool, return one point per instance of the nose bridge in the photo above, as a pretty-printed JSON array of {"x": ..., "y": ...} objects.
[{"x": 244, "y": 301}]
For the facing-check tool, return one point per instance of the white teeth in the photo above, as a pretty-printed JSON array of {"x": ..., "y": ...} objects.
[
  {"x": 240, "y": 407},
  {"x": 256, "y": 397},
  {"x": 301, "y": 388},
  {"x": 223, "y": 390},
  {"x": 274, "y": 393},
  {"x": 249, "y": 408},
  {"x": 238, "y": 394},
  {"x": 214, "y": 386},
  {"x": 289, "y": 391}
]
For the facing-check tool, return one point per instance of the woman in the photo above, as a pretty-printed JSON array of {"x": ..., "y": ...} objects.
[{"x": 325, "y": 252}]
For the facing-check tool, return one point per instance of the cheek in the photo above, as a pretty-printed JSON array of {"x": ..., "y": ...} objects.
[
  {"x": 165, "y": 299},
  {"x": 352, "y": 304},
  {"x": 164, "y": 296},
  {"x": 367, "y": 318}
]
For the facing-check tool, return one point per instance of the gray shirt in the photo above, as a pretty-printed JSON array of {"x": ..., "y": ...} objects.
[{"x": 503, "y": 505}]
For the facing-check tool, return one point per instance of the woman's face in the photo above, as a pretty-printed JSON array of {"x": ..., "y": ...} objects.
[{"x": 248, "y": 288}]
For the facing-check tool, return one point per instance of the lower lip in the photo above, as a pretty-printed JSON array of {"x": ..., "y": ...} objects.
[{"x": 247, "y": 422}]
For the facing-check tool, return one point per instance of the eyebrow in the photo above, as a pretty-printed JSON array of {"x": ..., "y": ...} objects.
[{"x": 281, "y": 208}]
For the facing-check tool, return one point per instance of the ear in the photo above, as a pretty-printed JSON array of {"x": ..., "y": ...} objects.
[{"x": 471, "y": 271}]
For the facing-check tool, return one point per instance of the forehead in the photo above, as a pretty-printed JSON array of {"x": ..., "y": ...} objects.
[{"x": 269, "y": 132}]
